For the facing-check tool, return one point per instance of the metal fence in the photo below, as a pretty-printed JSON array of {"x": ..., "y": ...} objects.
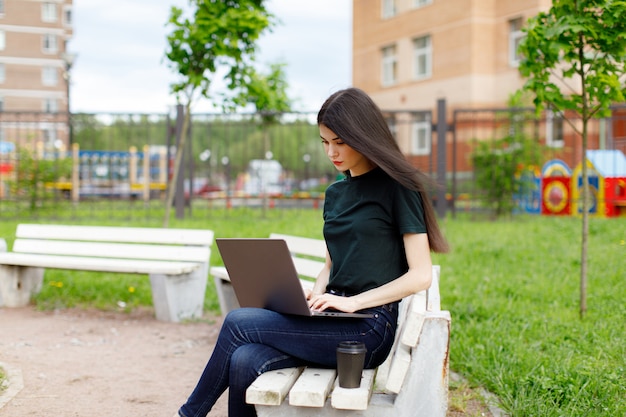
[{"x": 119, "y": 166}]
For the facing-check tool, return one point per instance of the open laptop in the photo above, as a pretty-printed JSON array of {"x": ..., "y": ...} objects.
[{"x": 263, "y": 275}]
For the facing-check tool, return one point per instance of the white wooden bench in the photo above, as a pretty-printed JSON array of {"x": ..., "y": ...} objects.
[
  {"x": 177, "y": 261},
  {"x": 413, "y": 381}
]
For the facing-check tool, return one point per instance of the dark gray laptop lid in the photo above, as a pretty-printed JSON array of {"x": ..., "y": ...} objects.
[{"x": 263, "y": 275}]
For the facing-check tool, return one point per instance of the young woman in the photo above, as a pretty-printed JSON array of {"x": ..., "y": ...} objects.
[{"x": 379, "y": 228}]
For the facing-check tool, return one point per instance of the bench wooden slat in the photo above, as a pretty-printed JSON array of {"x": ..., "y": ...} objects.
[
  {"x": 354, "y": 398},
  {"x": 116, "y": 234},
  {"x": 312, "y": 387},
  {"x": 130, "y": 266},
  {"x": 303, "y": 245},
  {"x": 220, "y": 272},
  {"x": 434, "y": 298},
  {"x": 113, "y": 250},
  {"x": 271, "y": 388},
  {"x": 383, "y": 370},
  {"x": 414, "y": 321},
  {"x": 307, "y": 267},
  {"x": 399, "y": 367}
]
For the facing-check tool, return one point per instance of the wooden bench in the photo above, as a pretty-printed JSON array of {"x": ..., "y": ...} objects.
[
  {"x": 177, "y": 261},
  {"x": 413, "y": 381}
]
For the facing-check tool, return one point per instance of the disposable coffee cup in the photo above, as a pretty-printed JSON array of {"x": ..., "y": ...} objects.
[{"x": 350, "y": 361}]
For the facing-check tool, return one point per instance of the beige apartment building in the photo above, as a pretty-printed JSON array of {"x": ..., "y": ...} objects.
[
  {"x": 34, "y": 70},
  {"x": 408, "y": 54}
]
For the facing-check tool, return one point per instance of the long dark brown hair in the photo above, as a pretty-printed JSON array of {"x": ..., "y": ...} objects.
[{"x": 354, "y": 117}]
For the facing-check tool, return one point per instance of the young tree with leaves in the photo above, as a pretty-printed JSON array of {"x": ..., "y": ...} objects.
[
  {"x": 573, "y": 58},
  {"x": 267, "y": 93},
  {"x": 221, "y": 34}
]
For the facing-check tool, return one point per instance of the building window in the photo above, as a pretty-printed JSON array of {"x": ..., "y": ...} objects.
[
  {"x": 554, "y": 129},
  {"x": 1, "y": 110},
  {"x": 2, "y": 73},
  {"x": 421, "y": 134},
  {"x": 67, "y": 15},
  {"x": 49, "y": 136},
  {"x": 391, "y": 122},
  {"x": 49, "y": 12},
  {"x": 421, "y": 3},
  {"x": 389, "y": 66},
  {"x": 50, "y": 105},
  {"x": 515, "y": 37},
  {"x": 50, "y": 44},
  {"x": 1, "y": 6},
  {"x": 389, "y": 8},
  {"x": 49, "y": 76},
  {"x": 422, "y": 53},
  {"x": 3, "y": 41}
]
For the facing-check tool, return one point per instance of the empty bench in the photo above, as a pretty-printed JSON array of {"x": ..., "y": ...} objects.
[
  {"x": 413, "y": 381},
  {"x": 177, "y": 261}
]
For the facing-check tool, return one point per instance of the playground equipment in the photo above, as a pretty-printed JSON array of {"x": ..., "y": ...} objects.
[
  {"x": 561, "y": 188},
  {"x": 607, "y": 181},
  {"x": 115, "y": 173},
  {"x": 528, "y": 198},
  {"x": 555, "y": 188}
]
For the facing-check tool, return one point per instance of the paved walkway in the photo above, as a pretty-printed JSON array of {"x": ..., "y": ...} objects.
[{"x": 90, "y": 364}]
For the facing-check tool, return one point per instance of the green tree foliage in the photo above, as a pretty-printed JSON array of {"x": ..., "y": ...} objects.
[
  {"x": 498, "y": 165},
  {"x": 34, "y": 173},
  {"x": 222, "y": 34},
  {"x": 267, "y": 93},
  {"x": 573, "y": 58}
]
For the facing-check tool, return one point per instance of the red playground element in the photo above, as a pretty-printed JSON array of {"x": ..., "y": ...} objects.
[
  {"x": 556, "y": 179},
  {"x": 611, "y": 166}
]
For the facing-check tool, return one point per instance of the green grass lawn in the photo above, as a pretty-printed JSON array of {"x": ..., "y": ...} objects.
[{"x": 512, "y": 288}]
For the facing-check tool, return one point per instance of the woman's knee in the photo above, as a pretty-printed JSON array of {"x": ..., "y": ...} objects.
[
  {"x": 247, "y": 316},
  {"x": 253, "y": 359},
  {"x": 245, "y": 365}
]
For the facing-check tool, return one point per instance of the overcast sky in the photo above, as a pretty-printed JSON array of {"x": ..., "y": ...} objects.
[{"x": 120, "y": 49}]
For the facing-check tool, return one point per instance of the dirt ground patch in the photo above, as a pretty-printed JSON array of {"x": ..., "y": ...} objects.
[{"x": 93, "y": 363}]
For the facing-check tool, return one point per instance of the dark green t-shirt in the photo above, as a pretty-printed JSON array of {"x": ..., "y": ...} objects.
[{"x": 364, "y": 220}]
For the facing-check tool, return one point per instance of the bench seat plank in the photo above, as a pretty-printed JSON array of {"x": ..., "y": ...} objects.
[
  {"x": 116, "y": 234},
  {"x": 131, "y": 266},
  {"x": 113, "y": 250},
  {"x": 271, "y": 387},
  {"x": 354, "y": 398},
  {"x": 312, "y": 387}
]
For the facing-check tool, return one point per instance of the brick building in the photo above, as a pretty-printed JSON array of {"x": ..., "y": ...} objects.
[
  {"x": 407, "y": 54},
  {"x": 34, "y": 69}
]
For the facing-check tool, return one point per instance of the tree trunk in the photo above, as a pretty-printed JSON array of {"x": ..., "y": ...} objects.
[
  {"x": 585, "y": 229},
  {"x": 171, "y": 189},
  {"x": 585, "y": 179}
]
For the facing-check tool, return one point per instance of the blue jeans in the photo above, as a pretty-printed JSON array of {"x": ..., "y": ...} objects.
[{"x": 253, "y": 341}]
